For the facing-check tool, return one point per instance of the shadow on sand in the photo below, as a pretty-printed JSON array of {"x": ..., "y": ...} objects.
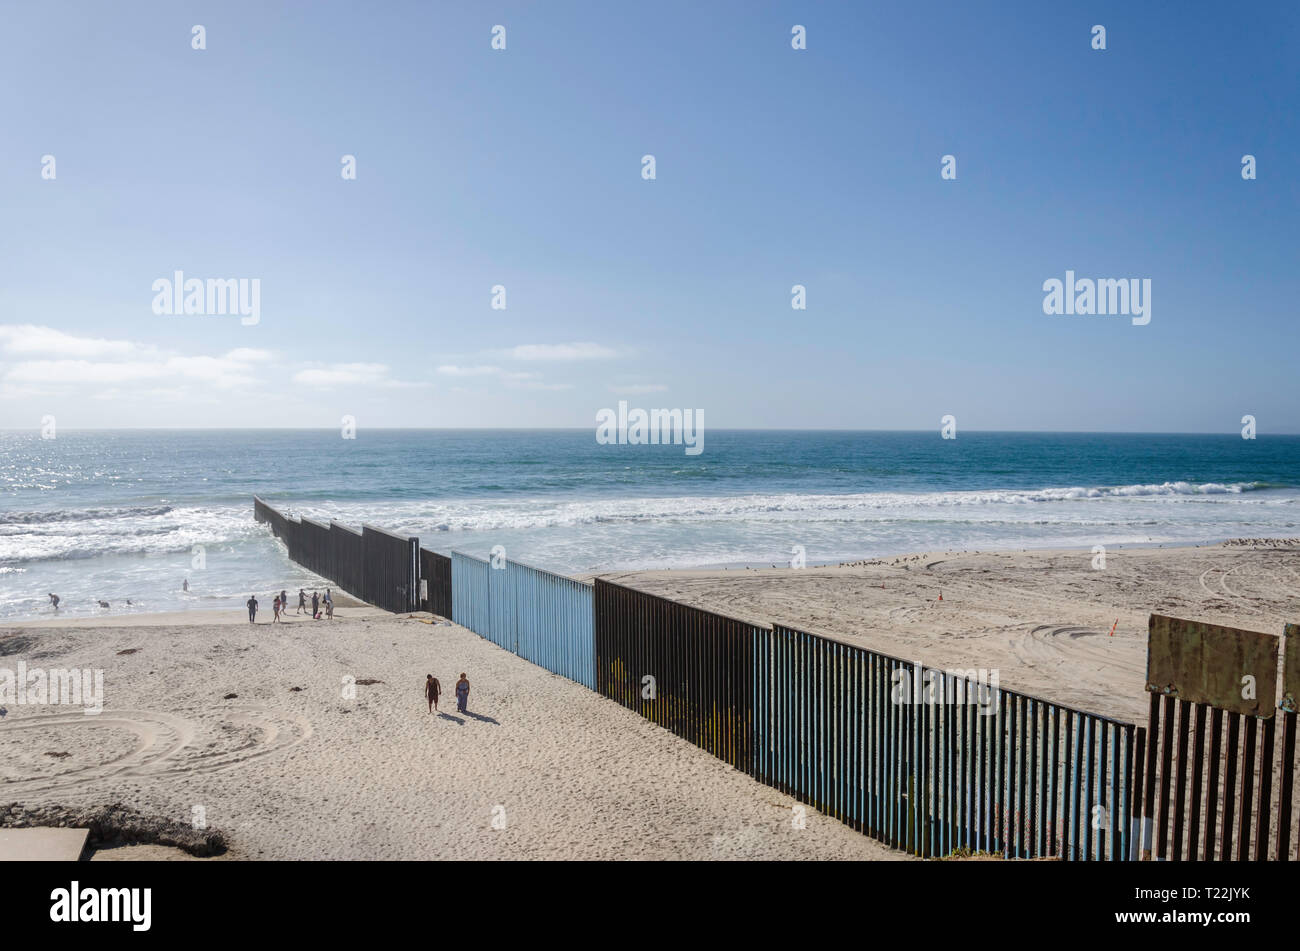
[
  {"x": 481, "y": 719},
  {"x": 447, "y": 716}
]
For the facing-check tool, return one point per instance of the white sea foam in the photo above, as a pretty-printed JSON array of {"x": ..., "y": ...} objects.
[{"x": 144, "y": 551}]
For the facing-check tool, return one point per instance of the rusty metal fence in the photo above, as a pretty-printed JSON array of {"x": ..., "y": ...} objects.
[
  {"x": 392, "y": 569},
  {"x": 689, "y": 670},
  {"x": 435, "y": 580},
  {"x": 346, "y": 565},
  {"x": 1219, "y": 787}
]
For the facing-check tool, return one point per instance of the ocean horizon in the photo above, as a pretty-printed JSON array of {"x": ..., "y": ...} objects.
[{"x": 131, "y": 514}]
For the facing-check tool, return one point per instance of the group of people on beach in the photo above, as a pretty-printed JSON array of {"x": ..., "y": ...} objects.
[
  {"x": 320, "y": 606},
  {"x": 433, "y": 690}
]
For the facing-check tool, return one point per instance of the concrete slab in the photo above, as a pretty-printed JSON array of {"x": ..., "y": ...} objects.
[{"x": 42, "y": 844}]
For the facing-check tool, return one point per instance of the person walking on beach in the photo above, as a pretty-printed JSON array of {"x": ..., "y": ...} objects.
[
  {"x": 329, "y": 609},
  {"x": 315, "y": 605},
  {"x": 432, "y": 691},
  {"x": 276, "y": 606},
  {"x": 302, "y": 601},
  {"x": 252, "y": 608},
  {"x": 54, "y": 600},
  {"x": 284, "y": 601},
  {"x": 462, "y": 693}
]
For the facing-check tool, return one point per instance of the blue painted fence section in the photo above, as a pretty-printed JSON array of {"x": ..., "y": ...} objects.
[
  {"x": 501, "y": 607},
  {"x": 545, "y": 618},
  {"x": 552, "y": 618},
  {"x": 469, "y": 593}
]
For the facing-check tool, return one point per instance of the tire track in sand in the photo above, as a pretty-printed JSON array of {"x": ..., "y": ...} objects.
[{"x": 162, "y": 741}]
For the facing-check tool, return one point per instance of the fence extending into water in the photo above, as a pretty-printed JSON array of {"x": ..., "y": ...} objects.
[
  {"x": 373, "y": 565},
  {"x": 926, "y": 760}
]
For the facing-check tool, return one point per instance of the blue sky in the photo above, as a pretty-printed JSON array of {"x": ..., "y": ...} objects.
[{"x": 774, "y": 167}]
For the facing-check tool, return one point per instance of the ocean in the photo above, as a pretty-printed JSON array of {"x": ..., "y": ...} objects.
[{"x": 117, "y": 515}]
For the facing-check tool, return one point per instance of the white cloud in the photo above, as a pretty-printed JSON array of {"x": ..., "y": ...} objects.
[
  {"x": 516, "y": 379},
  {"x": 72, "y": 361},
  {"x": 351, "y": 374},
  {"x": 342, "y": 374},
  {"x": 561, "y": 351},
  {"x": 215, "y": 370},
  {"x": 635, "y": 389},
  {"x": 452, "y": 370},
  {"x": 28, "y": 338},
  {"x": 41, "y": 362},
  {"x": 249, "y": 355}
]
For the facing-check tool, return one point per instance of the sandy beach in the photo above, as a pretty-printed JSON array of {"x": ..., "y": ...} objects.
[
  {"x": 254, "y": 724},
  {"x": 291, "y": 769}
]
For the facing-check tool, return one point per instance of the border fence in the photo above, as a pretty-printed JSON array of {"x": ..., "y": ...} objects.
[
  {"x": 347, "y": 559},
  {"x": 933, "y": 761},
  {"x": 687, "y": 669},
  {"x": 1219, "y": 787},
  {"x": 543, "y": 617},
  {"x": 926, "y": 760},
  {"x": 373, "y": 565}
]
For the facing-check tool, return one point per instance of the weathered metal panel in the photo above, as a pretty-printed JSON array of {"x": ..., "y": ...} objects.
[
  {"x": 1291, "y": 669},
  {"x": 391, "y": 576},
  {"x": 435, "y": 572},
  {"x": 313, "y": 549},
  {"x": 347, "y": 560},
  {"x": 1209, "y": 663},
  {"x": 699, "y": 665},
  {"x": 1286, "y": 775}
]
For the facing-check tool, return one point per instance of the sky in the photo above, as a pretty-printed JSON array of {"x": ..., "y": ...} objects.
[{"x": 523, "y": 168}]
